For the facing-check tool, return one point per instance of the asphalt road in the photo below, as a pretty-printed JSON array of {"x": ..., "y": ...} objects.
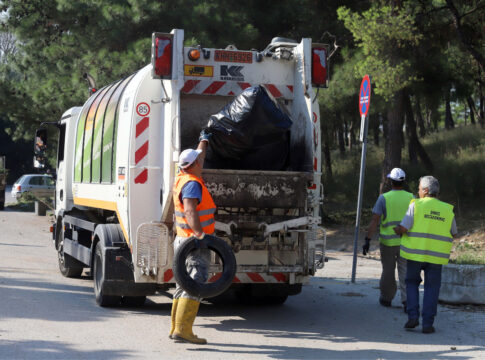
[{"x": 46, "y": 316}]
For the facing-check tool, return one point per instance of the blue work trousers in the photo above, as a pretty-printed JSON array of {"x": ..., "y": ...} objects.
[{"x": 432, "y": 284}]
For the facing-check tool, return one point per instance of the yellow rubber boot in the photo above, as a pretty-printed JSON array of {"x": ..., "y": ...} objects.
[
  {"x": 186, "y": 312},
  {"x": 174, "y": 312}
]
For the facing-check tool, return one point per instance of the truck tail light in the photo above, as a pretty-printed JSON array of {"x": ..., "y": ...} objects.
[
  {"x": 319, "y": 66},
  {"x": 18, "y": 187},
  {"x": 162, "y": 55}
]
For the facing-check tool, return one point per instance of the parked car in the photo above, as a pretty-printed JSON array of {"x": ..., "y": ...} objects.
[{"x": 35, "y": 184}]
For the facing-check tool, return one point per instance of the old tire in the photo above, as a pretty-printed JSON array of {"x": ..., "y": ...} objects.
[
  {"x": 207, "y": 290},
  {"x": 64, "y": 259},
  {"x": 99, "y": 279},
  {"x": 40, "y": 208}
]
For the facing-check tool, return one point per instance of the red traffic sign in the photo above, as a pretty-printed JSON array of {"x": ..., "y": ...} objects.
[{"x": 364, "y": 96}]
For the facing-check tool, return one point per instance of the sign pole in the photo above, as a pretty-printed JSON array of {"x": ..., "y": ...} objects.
[
  {"x": 364, "y": 101},
  {"x": 363, "y": 135}
]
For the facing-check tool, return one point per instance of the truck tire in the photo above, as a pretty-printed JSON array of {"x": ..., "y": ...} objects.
[
  {"x": 266, "y": 294},
  {"x": 65, "y": 260},
  {"x": 99, "y": 278},
  {"x": 40, "y": 208},
  {"x": 133, "y": 301},
  {"x": 207, "y": 290},
  {"x": 2, "y": 205}
]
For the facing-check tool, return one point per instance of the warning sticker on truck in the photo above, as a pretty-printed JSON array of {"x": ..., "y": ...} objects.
[
  {"x": 198, "y": 70},
  {"x": 234, "y": 56}
]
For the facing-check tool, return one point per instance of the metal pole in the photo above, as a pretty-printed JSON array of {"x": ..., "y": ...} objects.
[{"x": 363, "y": 138}]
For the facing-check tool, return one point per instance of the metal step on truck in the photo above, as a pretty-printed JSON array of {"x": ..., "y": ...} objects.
[{"x": 117, "y": 161}]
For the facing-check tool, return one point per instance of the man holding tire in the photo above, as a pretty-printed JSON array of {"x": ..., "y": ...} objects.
[{"x": 194, "y": 216}]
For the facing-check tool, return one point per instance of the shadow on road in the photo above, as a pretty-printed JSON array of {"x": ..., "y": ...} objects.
[
  {"x": 339, "y": 312},
  {"x": 288, "y": 352},
  {"x": 55, "y": 350},
  {"x": 29, "y": 299}
]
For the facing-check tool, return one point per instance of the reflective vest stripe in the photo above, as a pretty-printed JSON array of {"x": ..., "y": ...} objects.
[
  {"x": 430, "y": 236},
  {"x": 391, "y": 223},
  {"x": 388, "y": 237},
  {"x": 425, "y": 252},
  {"x": 202, "y": 223},
  {"x": 200, "y": 213},
  {"x": 397, "y": 203}
]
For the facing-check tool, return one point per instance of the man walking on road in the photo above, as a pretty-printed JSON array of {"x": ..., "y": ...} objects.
[
  {"x": 194, "y": 216},
  {"x": 427, "y": 236},
  {"x": 389, "y": 209}
]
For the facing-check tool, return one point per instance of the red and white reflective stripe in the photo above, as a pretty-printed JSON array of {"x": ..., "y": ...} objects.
[
  {"x": 141, "y": 149},
  {"x": 232, "y": 88},
  {"x": 251, "y": 277}
]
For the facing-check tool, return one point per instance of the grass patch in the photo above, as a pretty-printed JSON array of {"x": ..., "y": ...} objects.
[
  {"x": 469, "y": 258},
  {"x": 22, "y": 205}
]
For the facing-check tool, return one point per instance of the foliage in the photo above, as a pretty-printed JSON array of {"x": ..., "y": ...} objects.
[
  {"x": 386, "y": 36},
  {"x": 461, "y": 171}
]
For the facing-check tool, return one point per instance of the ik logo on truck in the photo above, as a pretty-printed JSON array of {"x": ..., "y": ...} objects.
[{"x": 232, "y": 73}]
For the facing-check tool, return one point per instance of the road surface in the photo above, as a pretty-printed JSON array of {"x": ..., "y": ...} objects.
[{"x": 46, "y": 316}]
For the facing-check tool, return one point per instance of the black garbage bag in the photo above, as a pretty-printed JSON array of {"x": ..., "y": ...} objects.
[{"x": 250, "y": 133}]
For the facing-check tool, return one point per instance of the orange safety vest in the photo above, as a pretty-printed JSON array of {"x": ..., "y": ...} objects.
[{"x": 205, "y": 209}]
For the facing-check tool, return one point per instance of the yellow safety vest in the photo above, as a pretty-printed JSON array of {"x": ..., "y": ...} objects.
[
  {"x": 397, "y": 203},
  {"x": 429, "y": 239}
]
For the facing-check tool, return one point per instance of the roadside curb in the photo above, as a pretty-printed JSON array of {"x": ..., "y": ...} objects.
[{"x": 463, "y": 284}]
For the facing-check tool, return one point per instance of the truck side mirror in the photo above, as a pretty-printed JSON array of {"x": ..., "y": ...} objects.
[{"x": 40, "y": 147}]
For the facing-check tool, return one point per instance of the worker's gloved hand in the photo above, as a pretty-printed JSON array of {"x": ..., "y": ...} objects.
[
  {"x": 365, "y": 248},
  {"x": 205, "y": 135}
]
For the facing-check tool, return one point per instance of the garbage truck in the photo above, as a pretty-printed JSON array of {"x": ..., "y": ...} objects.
[{"x": 117, "y": 161}]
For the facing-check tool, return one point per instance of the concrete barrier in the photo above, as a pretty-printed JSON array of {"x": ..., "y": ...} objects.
[{"x": 463, "y": 284}]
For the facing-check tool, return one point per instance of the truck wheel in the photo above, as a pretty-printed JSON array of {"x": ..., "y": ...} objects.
[
  {"x": 98, "y": 276},
  {"x": 195, "y": 288},
  {"x": 64, "y": 259},
  {"x": 40, "y": 208},
  {"x": 133, "y": 301},
  {"x": 2, "y": 205}
]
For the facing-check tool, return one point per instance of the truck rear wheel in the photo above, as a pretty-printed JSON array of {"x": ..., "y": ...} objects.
[
  {"x": 64, "y": 259},
  {"x": 2, "y": 205},
  {"x": 99, "y": 280},
  {"x": 133, "y": 301}
]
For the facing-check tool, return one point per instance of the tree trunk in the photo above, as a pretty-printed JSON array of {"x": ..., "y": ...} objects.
[
  {"x": 463, "y": 36},
  {"x": 326, "y": 153},
  {"x": 481, "y": 110},
  {"x": 473, "y": 110},
  {"x": 340, "y": 135},
  {"x": 351, "y": 136},
  {"x": 346, "y": 133},
  {"x": 449, "y": 123},
  {"x": 414, "y": 146},
  {"x": 393, "y": 143},
  {"x": 374, "y": 124},
  {"x": 419, "y": 114}
]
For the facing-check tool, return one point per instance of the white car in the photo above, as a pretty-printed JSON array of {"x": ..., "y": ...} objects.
[{"x": 36, "y": 184}]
